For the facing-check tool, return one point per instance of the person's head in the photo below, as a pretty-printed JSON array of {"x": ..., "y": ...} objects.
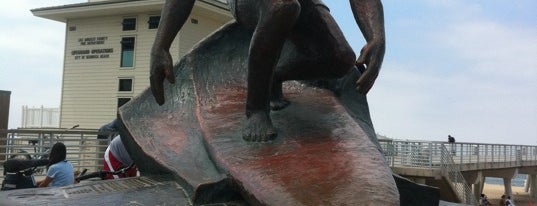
[
  {"x": 483, "y": 195},
  {"x": 58, "y": 153},
  {"x": 503, "y": 196}
]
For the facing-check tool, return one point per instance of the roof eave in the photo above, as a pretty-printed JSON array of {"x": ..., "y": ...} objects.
[{"x": 89, "y": 9}]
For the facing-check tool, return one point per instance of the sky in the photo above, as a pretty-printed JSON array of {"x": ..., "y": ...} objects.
[{"x": 466, "y": 68}]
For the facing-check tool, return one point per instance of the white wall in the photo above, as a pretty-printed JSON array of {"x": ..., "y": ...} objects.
[{"x": 90, "y": 86}]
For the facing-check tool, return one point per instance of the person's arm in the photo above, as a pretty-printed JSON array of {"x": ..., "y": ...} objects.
[
  {"x": 369, "y": 16},
  {"x": 45, "y": 182},
  {"x": 173, "y": 16}
]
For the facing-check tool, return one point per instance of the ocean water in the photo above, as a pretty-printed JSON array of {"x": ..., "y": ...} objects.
[{"x": 518, "y": 181}]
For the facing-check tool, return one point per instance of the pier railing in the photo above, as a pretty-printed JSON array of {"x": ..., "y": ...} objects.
[
  {"x": 452, "y": 173},
  {"x": 452, "y": 158},
  {"x": 469, "y": 156},
  {"x": 85, "y": 151}
]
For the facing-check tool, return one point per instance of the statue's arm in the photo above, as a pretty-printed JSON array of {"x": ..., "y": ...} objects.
[
  {"x": 173, "y": 17},
  {"x": 369, "y": 16}
]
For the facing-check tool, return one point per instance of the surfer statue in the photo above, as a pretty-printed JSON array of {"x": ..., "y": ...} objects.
[{"x": 318, "y": 50}]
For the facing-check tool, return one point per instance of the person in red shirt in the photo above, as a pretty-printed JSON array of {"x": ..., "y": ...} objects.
[{"x": 116, "y": 157}]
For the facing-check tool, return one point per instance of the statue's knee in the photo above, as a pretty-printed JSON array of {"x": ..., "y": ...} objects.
[
  {"x": 343, "y": 61},
  {"x": 286, "y": 9}
]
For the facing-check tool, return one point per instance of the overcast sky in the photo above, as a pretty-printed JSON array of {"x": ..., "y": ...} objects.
[{"x": 462, "y": 67}]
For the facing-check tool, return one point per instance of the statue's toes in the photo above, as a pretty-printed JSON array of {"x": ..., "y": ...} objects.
[
  {"x": 259, "y": 134},
  {"x": 268, "y": 136},
  {"x": 279, "y": 104}
]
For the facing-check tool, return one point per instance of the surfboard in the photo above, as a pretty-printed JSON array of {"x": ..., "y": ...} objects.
[{"x": 322, "y": 154}]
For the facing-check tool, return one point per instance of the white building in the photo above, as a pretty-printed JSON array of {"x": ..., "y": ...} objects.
[{"x": 107, "y": 46}]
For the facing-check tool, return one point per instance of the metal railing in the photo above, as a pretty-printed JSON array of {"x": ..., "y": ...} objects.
[
  {"x": 469, "y": 156},
  {"x": 84, "y": 150},
  {"x": 453, "y": 175},
  {"x": 452, "y": 158}
]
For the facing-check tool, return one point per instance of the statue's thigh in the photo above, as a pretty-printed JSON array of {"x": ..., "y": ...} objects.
[
  {"x": 317, "y": 30},
  {"x": 315, "y": 40},
  {"x": 246, "y": 12}
]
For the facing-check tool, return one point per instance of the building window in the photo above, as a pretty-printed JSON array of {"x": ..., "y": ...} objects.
[
  {"x": 153, "y": 22},
  {"x": 127, "y": 52},
  {"x": 129, "y": 24},
  {"x": 125, "y": 85},
  {"x": 122, "y": 100}
]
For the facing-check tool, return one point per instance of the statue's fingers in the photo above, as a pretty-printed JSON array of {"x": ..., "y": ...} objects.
[
  {"x": 363, "y": 55},
  {"x": 361, "y": 59},
  {"x": 360, "y": 67},
  {"x": 364, "y": 86},
  {"x": 157, "y": 88},
  {"x": 169, "y": 75},
  {"x": 367, "y": 79}
]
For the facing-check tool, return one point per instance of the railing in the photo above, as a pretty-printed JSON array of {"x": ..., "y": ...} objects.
[
  {"x": 411, "y": 154},
  {"x": 429, "y": 155},
  {"x": 84, "y": 150},
  {"x": 469, "y": 156},
  {"x": 453, "y": 175},
  {"x": 452, "y": 158}
]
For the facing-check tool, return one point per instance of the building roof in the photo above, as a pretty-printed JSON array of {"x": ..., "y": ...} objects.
[
  {"x": 3, "y": 92},
  {"x": 117, "y": 7}
]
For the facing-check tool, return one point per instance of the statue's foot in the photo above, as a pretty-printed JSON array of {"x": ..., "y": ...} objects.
[
  {"x": 279, "y": 104},
  {"x": 258, "y": 128}
]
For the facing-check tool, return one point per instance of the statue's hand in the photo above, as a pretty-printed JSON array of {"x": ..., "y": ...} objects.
[
  {"x": 161, "y": 67},
  {"x": 371, "y": 55}
]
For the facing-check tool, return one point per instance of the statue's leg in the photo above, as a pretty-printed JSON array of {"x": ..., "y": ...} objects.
[
  {"x": 316, "y": 49},
  {"x": 277, "y": 100},
  {"x": 276, "y": 20}
]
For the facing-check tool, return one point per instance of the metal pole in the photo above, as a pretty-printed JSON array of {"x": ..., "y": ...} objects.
[
  {"x": 504, "y": 155},
  {"x": 430, "y": 153},
  {"x": 461, "y": 159},
  {"x": 478, "y": 155},
  {"x": 492, "y": 153}
]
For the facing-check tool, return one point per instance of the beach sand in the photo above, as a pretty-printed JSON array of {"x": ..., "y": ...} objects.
[{"x": 520, "y": 197}]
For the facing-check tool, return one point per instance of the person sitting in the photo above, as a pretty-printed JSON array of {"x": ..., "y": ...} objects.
[
  {"x": 502, "y": 200},
  {"x": 60, "y": 171},
  {"x": 116, "y": 157},
  {"x": 451, "y": 139},
  {"x": 483, "y": 200},
  {"x": 108, "y": 129},
  {"x": 509, "y": 202}
]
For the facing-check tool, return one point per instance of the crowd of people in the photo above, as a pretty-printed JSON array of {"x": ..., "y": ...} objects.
[
  {"x": 60, "y": 171},
  {"x": 504, "y": 201}
]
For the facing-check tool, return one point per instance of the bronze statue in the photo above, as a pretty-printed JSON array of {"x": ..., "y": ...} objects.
[{"x": 319, "y": 50}]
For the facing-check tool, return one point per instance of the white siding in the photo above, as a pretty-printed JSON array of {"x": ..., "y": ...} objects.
[
  {"x": 192, "y": 33},
  {"x": 90, "y": 86}
]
